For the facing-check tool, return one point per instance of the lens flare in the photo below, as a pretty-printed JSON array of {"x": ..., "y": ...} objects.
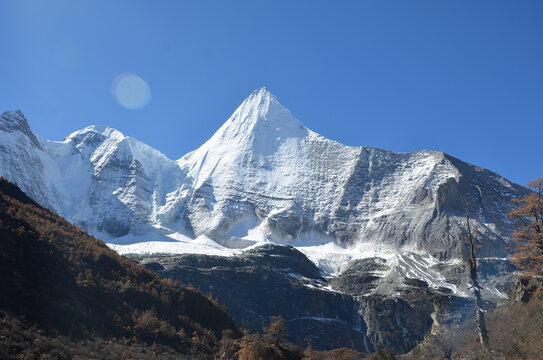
[{"x": 131, "y": 91}]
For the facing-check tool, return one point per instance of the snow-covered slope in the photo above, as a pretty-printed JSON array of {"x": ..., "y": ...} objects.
[
  {"x": 262, "y": 177},
  {"x": 97, "y": 177}
]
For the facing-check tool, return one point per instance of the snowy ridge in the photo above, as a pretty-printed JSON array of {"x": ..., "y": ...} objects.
[{"x": 263, "y": 177}]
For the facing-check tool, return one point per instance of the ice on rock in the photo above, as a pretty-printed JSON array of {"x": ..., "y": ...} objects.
[{"x": 262, "y": 177}]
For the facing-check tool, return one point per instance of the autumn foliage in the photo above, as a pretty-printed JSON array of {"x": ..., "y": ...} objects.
[
  {"x": 69, "y": 284},
  {"x": 528, "y": 238}
]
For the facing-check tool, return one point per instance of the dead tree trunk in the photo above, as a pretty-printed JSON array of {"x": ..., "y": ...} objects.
[{"x": 472, "y": 261}]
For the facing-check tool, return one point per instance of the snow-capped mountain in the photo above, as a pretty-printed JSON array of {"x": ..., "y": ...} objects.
[
  {"x": 262, "y": 177},
  {"x": 386, "y": 230}
]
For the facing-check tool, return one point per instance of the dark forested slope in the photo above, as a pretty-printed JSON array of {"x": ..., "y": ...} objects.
[{"x": 61, "y": 283}]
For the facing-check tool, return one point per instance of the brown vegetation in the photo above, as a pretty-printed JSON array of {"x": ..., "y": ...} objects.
[
  {"x": 528, "y": 238},
  {"x": 22, "y": 340},
  {"x": 72, "y": 285},
  {"x": 271, "y": 346},
  {"x": 515, "y": 332}
]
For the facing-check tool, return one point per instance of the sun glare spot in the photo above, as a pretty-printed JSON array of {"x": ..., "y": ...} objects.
[{"x": 131, "y": 91}]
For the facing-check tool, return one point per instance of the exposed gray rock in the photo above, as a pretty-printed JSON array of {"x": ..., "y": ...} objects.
[
  {"x": 526, "y": 289},
  {"x": 396, "y": 221},
  {"x": 341, "y": 311},
  {"x": 269, "y": 281}
]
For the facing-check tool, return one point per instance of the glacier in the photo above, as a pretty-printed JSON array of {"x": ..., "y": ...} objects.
[{"x": 265, "y": 178}]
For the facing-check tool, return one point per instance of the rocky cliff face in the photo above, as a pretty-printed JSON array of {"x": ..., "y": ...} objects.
[
  {"x": 526, "y": 289},
  {"x": 268, "y": 281},
  {"x": 343, "y": 311},
  {"x": 372, "y": 221}
]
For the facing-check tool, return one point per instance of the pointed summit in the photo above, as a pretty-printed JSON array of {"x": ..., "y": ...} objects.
[
  {"x": 15, "y": 121},
  {"x": 260, "y": 95},
  {"x": 13, "y": 117},
  {"x": 257, "y": 129},
  {"x": 262, "y": 90},
  {"x": 259, "y": 118}
]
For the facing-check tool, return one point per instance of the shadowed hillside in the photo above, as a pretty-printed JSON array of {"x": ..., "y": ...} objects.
[{"x": 59, "y": 286}]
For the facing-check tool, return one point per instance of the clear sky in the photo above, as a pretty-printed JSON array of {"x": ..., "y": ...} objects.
[{"x": 464, "y": 77}]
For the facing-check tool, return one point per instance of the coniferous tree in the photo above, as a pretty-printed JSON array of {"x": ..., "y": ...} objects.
[
  {"x": 528, "y": 238},
  {"x": 277, "y": 329}
]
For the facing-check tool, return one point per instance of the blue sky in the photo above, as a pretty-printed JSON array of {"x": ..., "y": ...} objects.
[{"x": 464, "y": 77}]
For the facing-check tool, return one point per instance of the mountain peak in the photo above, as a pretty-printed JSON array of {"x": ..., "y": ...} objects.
[
  {"x": 95, "y": 131},
  {"x": 15, "y": 121},
  {"x": 262, "y": 92},
  {"x": 98, "y": 128},
  {"x": 258, "y": 128},
  {"x": 261, "y": 117},
  {"x": 13, "y": 116},
  {"x": 103, "y": 130},
  {"x": 260, "y": 98}
]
